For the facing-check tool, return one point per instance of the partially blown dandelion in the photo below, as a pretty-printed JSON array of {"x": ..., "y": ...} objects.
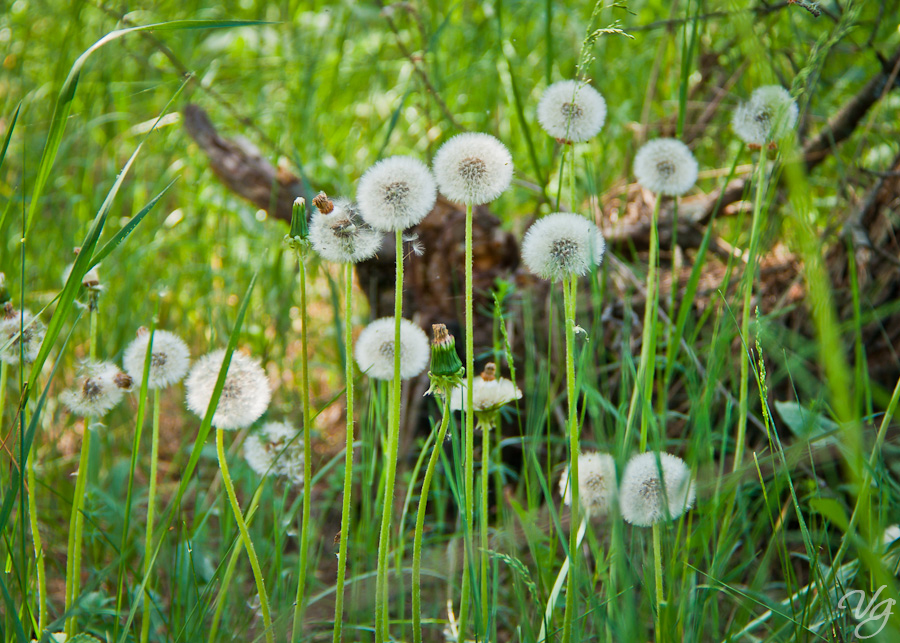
[
  {"x": 666, "y": 166},
  {"x": 14, "y": 345},
  {"x": 244, "y": 398},
  {"x": 489, "y": 393},
  {"x": 596, "y": 483},
  {"x": 375, "y": 349},
  {"x": 100, "y": 388},
  {"x": 767, "y": 117},
  {"x": 646, "y": 498},
  {"x": 473, "y": 168},
  {"x": 276, "y": 450},
  {"x": 396, "y": 193},
  {"x": 571, "y": 111},
  {"x": 561, "y": 245},
  {"x": 341, "y": 235},
  {"x": 169, "y": 359}
]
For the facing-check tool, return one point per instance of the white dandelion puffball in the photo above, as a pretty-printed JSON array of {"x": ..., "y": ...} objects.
[
  {"x": 645, "y": 499},
  {"x": 276, "y": 449},
  {"x": 473, "y": 168},
  {"x": 245, "y": 396},
  {"x": 571, "y": 111},
  {"x": 488, "y": 395},
  {"x": 396, "y": 193},
  {"x": 100, "y": 387},
  {"x": 342, "y": 235},
  {"x": 596, "y": 483},
  {"x": 13, "y": 344},
  {"x": 562, "y": 244},
  {"x": 666, "y": 166},
  {"x": 768, "y": 116},
  {"x": 169, "y": 359},
  {"x": 375, "y": 349}
]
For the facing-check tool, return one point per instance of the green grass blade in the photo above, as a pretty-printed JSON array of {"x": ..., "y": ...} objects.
[{"x": 9, "y": 131}]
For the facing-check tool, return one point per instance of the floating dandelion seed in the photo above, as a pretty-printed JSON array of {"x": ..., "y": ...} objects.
[
  {"x": 646, "y": 499},
  {"x": 12, "y": 344},
  {"x": 666, "y": 166},
  {"x": 396, "y": 193},
  {"x": 768, "y": 116},
  {"x": 473, "y": 168},
  {"x": 596, "y": 483},
  {"x": 244, "y": 398},
  {"x": 571, "y": 111},
  {"x": 169, "y": 359},
  {"x": 375, "y": 349},
  {"x": 277, "y": 450},
  {"x": 339, "y": 234},
  {"x": 562, "y": 244},
  {"x": 489, "y": 392},
  {"x": 100, "y": 387}
]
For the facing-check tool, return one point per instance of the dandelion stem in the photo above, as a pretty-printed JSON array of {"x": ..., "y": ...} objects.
[
  {"x": 151, "y": 502},
  {"x": 485, "y": 480},
  {"x": 381, "y": 603},
  {"x": 296, "y": 633},
  {"x": 569, "y": 298},
  {"x": 658, "y": 575},
  {"x": 747, "y": 287},
  {"x": 245, "y": 535},
  {"x": 420, "y": 521},
  {"x": 348, "y": 463},
  {"x": 469, "y": 430}
]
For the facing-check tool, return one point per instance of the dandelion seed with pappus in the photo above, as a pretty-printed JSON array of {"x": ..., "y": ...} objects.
[
  {"x": 562, "y": 245},
  {"x": 645, "y": 498},
  {"x": 375, "y": 349},
  {"x": 666, "y": 166},
  {"x": 768, "y": 116},
  {"x": 245, "y": 396},
  {"x": 571, "y": 111},
  {"x": 100, "y": 388},
  {"x": 597, "y": 485},
  {"x": 473, "y": 168},
  {"x": 341, "y": 235},
  {"x": 396, "y": 193},
  {"x": 14, "y": 345},
  {"x": 276, "y": 450},
  {"x": 169, "y": 359}
]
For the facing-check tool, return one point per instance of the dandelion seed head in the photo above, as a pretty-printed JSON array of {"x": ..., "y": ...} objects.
[
  {"x": 473, "y": 168},
  {"x": 768, "y": 116},
  {"x": 245, "y": 396},
  {"x": 341, "y": 235},
  {"x": 169, "y": 359},
  {"x": 396, "y": 193},
  {"x": 13, "y": 344},
  {"x": 596, "y": 483},
  {"x": 374, "y": 350},
  {"x": 276, "y": 449},
  {"x": 562, "y": 244},
  {"x": 666, "y": 166},
  {"x": 645, "y": 498},
  {"x": 571, "y": 111},
  {"x": 99, "y": 388}
]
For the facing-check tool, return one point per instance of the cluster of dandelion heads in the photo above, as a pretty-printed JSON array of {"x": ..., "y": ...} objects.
[
  {"x": 768, "y": 116},
  {"x": 277, "y": 450},
  {"x": 21, "y": 335},
  {"x": 396, "y": 193},
  {"x": 666, "y": 166},
  {"x": 99, "y": 388},
  {"x": 245, "y": 396},
  {"x": 341, "y": 235},
  {"x": 489, "y": 393},
  {"x": 571, "y": 111},
  {"x": 473, "y": 168},
  {"x": 597, "y": 486},
  {"x": 562, "y": 244},
  {"x": 645, "y": 498},
  {"x": 374, "y": 350},
  {"x": 169, "y": 358}
]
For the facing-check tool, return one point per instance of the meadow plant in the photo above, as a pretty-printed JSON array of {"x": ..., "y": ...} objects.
[
  {"x": 21, "y": 334},
  {"x": 767, "y": 117},
  {"x": 597, "y": 484},
  {"x": 571, "y": 111}
]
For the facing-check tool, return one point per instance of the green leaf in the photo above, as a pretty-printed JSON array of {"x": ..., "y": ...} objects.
[
  {"x": 832, "y": 510},
  {"x": 805, "y": 424},
  {"x": 9, "y": 131}
]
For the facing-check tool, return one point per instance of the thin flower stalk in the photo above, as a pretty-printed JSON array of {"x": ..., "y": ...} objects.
[
  {"x": 469, "y": 473},
  {"x": 570, "y": 288},
  {"x": 151, "y": 510},
  {"x": 38, "y": 545}
]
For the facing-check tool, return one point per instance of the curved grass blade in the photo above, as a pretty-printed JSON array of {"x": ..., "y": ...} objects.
[{"x": 9, "y": 131}]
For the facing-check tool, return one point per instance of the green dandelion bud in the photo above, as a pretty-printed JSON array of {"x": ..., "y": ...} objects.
[
  {"x": 299, "y": 226},
  {"x": 446, "y": 368}
]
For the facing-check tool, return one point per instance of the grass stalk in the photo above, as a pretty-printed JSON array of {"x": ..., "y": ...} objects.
[
  {"x": 245, "y": 535},
  {"x": 658, "y": 578},
  {"x": 38, "y": 547},
  {"x": 469, "y": 430},
  {"x": 151, "y": 510},
  {"x": 485, "y": 484},
  {"x": 570, "y": 287}
]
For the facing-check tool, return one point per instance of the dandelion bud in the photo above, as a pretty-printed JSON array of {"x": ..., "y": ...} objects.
[
  {"x": 767, "y": 117},
  {"x": 244, "y": 398},
  {"x": 561, "y": 245},
  {"x": 169, "y": 359},
  {"x": 299, "y": 226},
  {"x": 655, "y": 487},
  {"x": 473, "y": 168},
  {"x": 666, "y": 166},
  {"x": 20, "y": 334},
  {"x": 596, "y": 483},
  {"x": 323, "y": 203},
  {"x": 100, "y": 388},
  {"x": 571, "y": 111},
  {"x": 396, "y": 193},
  {"x": 446, "y": 368}
]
